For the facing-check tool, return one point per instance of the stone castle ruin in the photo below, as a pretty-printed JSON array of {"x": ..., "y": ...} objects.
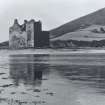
[{"x": 28, "y": 35}]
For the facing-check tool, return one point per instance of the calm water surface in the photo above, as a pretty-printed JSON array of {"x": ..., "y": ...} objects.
[{"x": 50, "y": 79}]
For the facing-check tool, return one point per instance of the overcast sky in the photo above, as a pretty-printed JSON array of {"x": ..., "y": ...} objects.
[{"x": 52, "y": 13}]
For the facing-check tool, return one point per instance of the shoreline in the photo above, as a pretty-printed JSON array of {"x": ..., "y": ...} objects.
[{"x": 53, "y": 51}]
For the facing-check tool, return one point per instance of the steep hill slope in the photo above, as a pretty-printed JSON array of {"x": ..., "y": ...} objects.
[
  {"x": 93, "y": 32},
  {"x": 96, "y": 18}
]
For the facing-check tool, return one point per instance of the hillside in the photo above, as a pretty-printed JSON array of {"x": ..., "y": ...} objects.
[
  {"x": 96, "y": 18},
  {"x": 93, "y": 32},
  {"x": 92, "y": 36},
  {"x": 4, "y": 45}
]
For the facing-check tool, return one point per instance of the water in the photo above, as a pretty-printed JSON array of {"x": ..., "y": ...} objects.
[{"x": 52, "y": 79}]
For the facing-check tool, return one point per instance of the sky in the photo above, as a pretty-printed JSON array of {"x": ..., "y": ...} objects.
[{"x": 52, "y": 13}]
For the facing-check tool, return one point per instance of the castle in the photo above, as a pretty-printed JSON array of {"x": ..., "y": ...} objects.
[{"x": 28, "y": 35}]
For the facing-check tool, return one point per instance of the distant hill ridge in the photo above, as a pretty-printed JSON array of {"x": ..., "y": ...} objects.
[
  {"x": 84, "y": 31},
  {"x": 95, "y": 18}
]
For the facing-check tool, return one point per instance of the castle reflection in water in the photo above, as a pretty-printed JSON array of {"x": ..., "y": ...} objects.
[{"x": 26, "y": 69}]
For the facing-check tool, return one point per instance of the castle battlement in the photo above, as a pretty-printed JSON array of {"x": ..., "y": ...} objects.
[{"x": 28, "y": 35}]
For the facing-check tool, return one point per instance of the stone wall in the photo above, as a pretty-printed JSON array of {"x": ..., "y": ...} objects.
[
  {"x": 18, "y": 40},
  {"x": 17, "y": 37},
  {"x": 28, "y": 35}
]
